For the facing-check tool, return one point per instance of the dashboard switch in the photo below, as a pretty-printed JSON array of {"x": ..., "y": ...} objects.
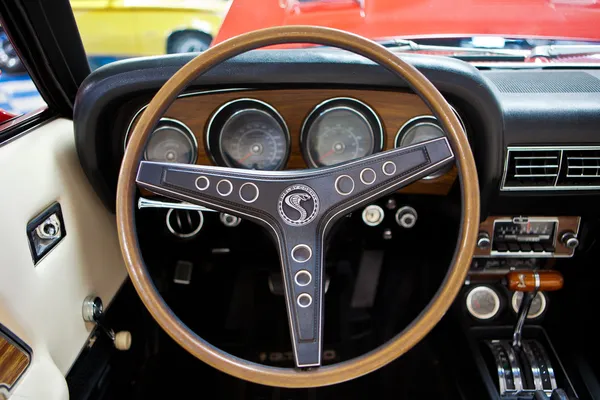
[{"x": 406, "y": 217}]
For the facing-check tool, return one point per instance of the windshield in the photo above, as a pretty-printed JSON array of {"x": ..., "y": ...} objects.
[{"x": 116, "y": 29}]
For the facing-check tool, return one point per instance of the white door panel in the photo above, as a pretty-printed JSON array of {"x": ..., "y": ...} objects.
[{"x": 42, "y": 304}]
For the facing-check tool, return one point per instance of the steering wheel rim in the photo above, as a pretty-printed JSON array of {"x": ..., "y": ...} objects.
[{"x": 290, "y": 377}]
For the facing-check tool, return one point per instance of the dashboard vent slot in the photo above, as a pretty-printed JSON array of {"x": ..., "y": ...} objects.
[
  {"x": 545, "y": 82},
  {"x": 531, "y": 168},
  {"x": 580, "y": 168},
  {"x": 552, "y": 168}
]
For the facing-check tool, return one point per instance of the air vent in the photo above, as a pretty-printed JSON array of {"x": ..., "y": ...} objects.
[
  {"x": 580, "y": 168},
  {"x": 531, "y": 168},
  {"x": 552, "y": 168}
]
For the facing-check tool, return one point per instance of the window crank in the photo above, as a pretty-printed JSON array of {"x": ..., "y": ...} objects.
[{"x": 93, "y": 311}]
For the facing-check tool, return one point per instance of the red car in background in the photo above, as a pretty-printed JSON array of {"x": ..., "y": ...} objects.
[{"x": 380, "y": 19}]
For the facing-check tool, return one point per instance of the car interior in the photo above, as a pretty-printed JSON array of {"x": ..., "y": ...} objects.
[{"x": 330, "y": 221}]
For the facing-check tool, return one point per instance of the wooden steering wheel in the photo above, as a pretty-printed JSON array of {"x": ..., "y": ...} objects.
[{"x": 298, "y": 208}]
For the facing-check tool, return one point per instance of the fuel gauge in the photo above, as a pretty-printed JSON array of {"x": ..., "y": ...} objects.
[{"x": 483, "y": 302}]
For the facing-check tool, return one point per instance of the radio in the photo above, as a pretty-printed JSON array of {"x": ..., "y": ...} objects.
[{"x": 530, "y": 237}]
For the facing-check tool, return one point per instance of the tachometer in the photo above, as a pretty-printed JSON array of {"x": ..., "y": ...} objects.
[
  {"x": 249, "y": 134},
  {"x": 340, "y": 130}
]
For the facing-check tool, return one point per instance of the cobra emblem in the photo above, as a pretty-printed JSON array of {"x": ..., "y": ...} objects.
[
  {"x": 294, "y": 200},
  {"x": 302, "y": 200}
]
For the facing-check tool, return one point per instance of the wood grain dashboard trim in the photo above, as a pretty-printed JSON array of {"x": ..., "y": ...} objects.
[
  {"x": 394, "y": 109},
  {"x": 15, "y": 358}
]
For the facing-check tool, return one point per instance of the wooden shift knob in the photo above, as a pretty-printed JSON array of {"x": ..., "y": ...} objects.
[{"x": 528, "y": 281}]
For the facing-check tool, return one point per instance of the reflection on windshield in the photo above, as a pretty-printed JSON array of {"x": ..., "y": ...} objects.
[{"x": 519, "y": 31}]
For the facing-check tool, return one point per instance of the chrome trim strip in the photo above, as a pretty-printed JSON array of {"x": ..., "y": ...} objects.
[
  {"x": 535, "y": 369},
  {"x": 147, "y": 203},
  {"x": 499, "y": 369},
  {"x": 303, "y": 132},
  {"x": 514, "y": 364},
  {"x": 554, "y": 187},
  {"x": 549, "y": 366}
]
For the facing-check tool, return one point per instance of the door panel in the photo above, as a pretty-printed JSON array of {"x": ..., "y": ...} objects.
[{"x": 41, "y": 304}]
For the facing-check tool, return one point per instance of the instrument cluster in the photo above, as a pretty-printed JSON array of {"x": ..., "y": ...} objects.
[{"x": 249, "y": 133}]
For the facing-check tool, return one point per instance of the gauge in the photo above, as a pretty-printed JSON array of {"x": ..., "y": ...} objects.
[
  {"x": 172, "y": 141},
  {"x": 525, "y": 230},
  {"x": 538, "y": 305},
  {"x": 421, "y": 129},
  {"x": 340, "y": 130},
  {"x": 483, "y": 302},
  {"x": 249, "y": 134}
]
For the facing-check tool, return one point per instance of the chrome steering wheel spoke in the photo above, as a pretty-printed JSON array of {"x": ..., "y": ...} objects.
[{"x": 298, "y": 208}]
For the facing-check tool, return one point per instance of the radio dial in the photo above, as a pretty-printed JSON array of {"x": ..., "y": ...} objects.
[
  {"x": 483, "y": 240},
  {"x": 569, "y": 239}
]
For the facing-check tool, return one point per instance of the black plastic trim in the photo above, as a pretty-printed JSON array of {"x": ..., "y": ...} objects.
[
  {"x": 14, "y": 128},
  {"x": 106, "y": 91}
]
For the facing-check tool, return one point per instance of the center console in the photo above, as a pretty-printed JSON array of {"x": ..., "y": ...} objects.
[{"x": 506, "y": 298}]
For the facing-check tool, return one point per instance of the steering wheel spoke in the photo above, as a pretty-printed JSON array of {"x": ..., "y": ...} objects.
[{"x": 301, "y": 254}]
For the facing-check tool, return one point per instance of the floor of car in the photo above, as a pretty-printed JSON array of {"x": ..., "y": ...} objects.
[
  {"x": 419, "y": 374},
  {"x": 229, "y": 303},
  {"x": 233, "y": 308}
]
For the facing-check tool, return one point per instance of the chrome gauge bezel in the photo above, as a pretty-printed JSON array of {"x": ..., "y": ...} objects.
[
  {"x": 542, "y": 310},
  {"x": 425, "y": 120},
  {"x": 356, "y": 106},
  {"x": 164, "y": 123},
  {"x": 476, "y": 314},
  {"x": 227, "y": 111}
]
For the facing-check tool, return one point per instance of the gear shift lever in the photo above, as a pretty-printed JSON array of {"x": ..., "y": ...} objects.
[{"x": 530, "y": 282}]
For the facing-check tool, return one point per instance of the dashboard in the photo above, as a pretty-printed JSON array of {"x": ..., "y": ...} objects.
[
  {"x": 532, "y": 130},
  {"x": 292, "y": 129}
]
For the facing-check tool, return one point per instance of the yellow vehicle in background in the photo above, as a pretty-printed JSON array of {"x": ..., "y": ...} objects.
[
  {"x": 130, "y": 28},
  {"x": 126, "y": 28}
]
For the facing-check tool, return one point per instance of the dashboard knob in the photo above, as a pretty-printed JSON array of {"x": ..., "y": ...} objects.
[
  {"x": 569, "y": 240},
  {"x": 230, "y": 221},
  {"x": 483, "y": 240},
  {"x": 373, "y": 215},
  {"x": 406, "y": 217}
]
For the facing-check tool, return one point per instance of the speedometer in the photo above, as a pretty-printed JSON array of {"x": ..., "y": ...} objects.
[
  {"x": 249, "y": 134},
  {"x": 340, "y": 130}
]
